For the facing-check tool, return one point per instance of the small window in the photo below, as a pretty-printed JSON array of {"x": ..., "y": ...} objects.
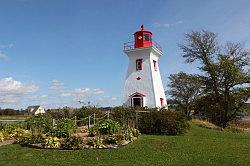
[
  {"x": 146, "y": 37},
  {"x": 139, "y": 64},
  {"x": 155, "y": 65},
  {"x": 161, "y": 99}
]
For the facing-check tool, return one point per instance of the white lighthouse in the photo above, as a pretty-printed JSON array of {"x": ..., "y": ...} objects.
[{"x": 143, "y": 85}]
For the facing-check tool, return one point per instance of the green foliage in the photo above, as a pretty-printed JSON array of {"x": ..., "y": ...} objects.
[
  {"x": 64, "y": 128},
  {"x": 89, "y": 110},
  {"x": 108, "y": 126},
  {"x": 72, "y": 142},
  {"x": 1, "y": 136},
  {"x": 52, "y": 142},
  {"x": 111, "y": 139},
  {"x": 96, "y": 142},
  {"x": 8, "y": 128},
  {"x": 125, "y": 116},
  {"x": 224, "y": 74},
  {"x": 23, "y": 136},
  {"x": 135, "y": 132},
  {"x": 26, "y": 137},
  {"x": 119, "y": 138},
  {"x": 128, "y": 135},
  {"x": 184, "y": 88},
  {"x": 92, "y": 131},
  {"x": 10, "y": 112},
  {"x": 39, "y": 124},
  {"x": 163, "y": 122}
]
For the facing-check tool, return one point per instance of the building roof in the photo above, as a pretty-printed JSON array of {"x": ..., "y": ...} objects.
[{"x": 35, "y": 108}]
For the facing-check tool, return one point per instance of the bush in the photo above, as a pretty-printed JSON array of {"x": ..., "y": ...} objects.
[
  {"x": 92, "y": 131},
  {"x": 72, "y": 142},
  {"x": 52, "y": 142},
  {"x": 23, "y": 136},
  {"x": 1, "y": 137},
  {"x": 111, "y": 139},
  {"x": 128, "y": 135},
  {"x": 39, "y": 124},
  {"x": 125, "y": 116},
  {"x": 8, "y": 128},
  {"x": 96, "y": 142},
  {"x": 163, "y": 122},
  {"x": 64, "y": 128},
  {"x": 108, "y": 126}
]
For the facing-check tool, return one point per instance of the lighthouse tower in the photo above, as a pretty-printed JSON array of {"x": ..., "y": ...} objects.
[{"x": 143, "y": 85}]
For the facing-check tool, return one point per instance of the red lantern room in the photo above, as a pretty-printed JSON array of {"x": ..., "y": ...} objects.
[{"x": 143, "y": 38}]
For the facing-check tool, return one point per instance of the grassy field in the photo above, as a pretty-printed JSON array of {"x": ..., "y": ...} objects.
[
  {"x": 199, "y": 146},
  {"x": 15, "y": 117}
]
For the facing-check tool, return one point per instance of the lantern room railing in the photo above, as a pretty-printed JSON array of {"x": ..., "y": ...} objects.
[{"x": 131, "y": 45}]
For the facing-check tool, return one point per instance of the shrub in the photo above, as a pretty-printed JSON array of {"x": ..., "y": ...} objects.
[
  {"x": 163, "y": 122},
  {"x": 1, "y": 136},
  {"x": 119, "y": 138},
  {"x": 92, "y": 131},
  {"x": 108, "y": 126},
  {"x": 8, "y": 128},
  {"x": 23, "y": 136},
  {"x": 39, "y": 124},
  {"x": 125, "y": 116},
  {"x": 128, "y": 135},
  {"x": 64, "y": 128},
  {"x": 135, "y": 132},
  {"x": 96, "y": 142},
  {"x": 52, "y": 142},
  {"x": 111, "y": 139},
  {"x": 72, "y": 142}
]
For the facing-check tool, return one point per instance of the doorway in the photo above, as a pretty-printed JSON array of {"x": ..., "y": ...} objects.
[{"x": 137, "y": 102}]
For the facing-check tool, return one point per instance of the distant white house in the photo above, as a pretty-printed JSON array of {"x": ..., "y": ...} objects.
[{"x": 35, "y": 110}]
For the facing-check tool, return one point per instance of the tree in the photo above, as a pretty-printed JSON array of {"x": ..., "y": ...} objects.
[
  {"x": 184, "y": 89},
  {"x": 224, "y": 74}
]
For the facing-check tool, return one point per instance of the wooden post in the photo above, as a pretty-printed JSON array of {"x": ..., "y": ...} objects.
[
  {"x": 136, "y": 120},
  {"x": 94, "y": 118},
  {"x": 89, "y": 122},
  {"x": 53, "y": 123},
  {"x": 75, "y": 121}
]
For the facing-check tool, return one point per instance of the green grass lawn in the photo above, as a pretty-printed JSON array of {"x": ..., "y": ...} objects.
[{"x": 198, "y": 147}]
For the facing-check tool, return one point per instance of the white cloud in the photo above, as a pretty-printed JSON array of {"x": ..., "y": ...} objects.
[
  {"x": 3, "y": 46},
  {"x": 12, "y": 90},
  {"x": 56, "y": 85},
  {"x": 3, "y": 56},
  {"x": 81, "y": 93},
  {"x": 167, "y": 25}
]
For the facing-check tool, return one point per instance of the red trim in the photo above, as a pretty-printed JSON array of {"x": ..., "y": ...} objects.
[
  {"x": 137, "y": 94},
  {"x": 138, "y": 63}
]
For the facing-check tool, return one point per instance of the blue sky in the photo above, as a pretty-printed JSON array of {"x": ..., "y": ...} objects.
[{"x": 56, "y": 52}]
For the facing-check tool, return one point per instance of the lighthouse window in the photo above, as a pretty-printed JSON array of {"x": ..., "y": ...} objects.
[
  {"x": 161, "y": 100},
  {"x": 155, "y": 65},
  {"x": 139, "y": 64},
  {"x": 146, "y": 37}
]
